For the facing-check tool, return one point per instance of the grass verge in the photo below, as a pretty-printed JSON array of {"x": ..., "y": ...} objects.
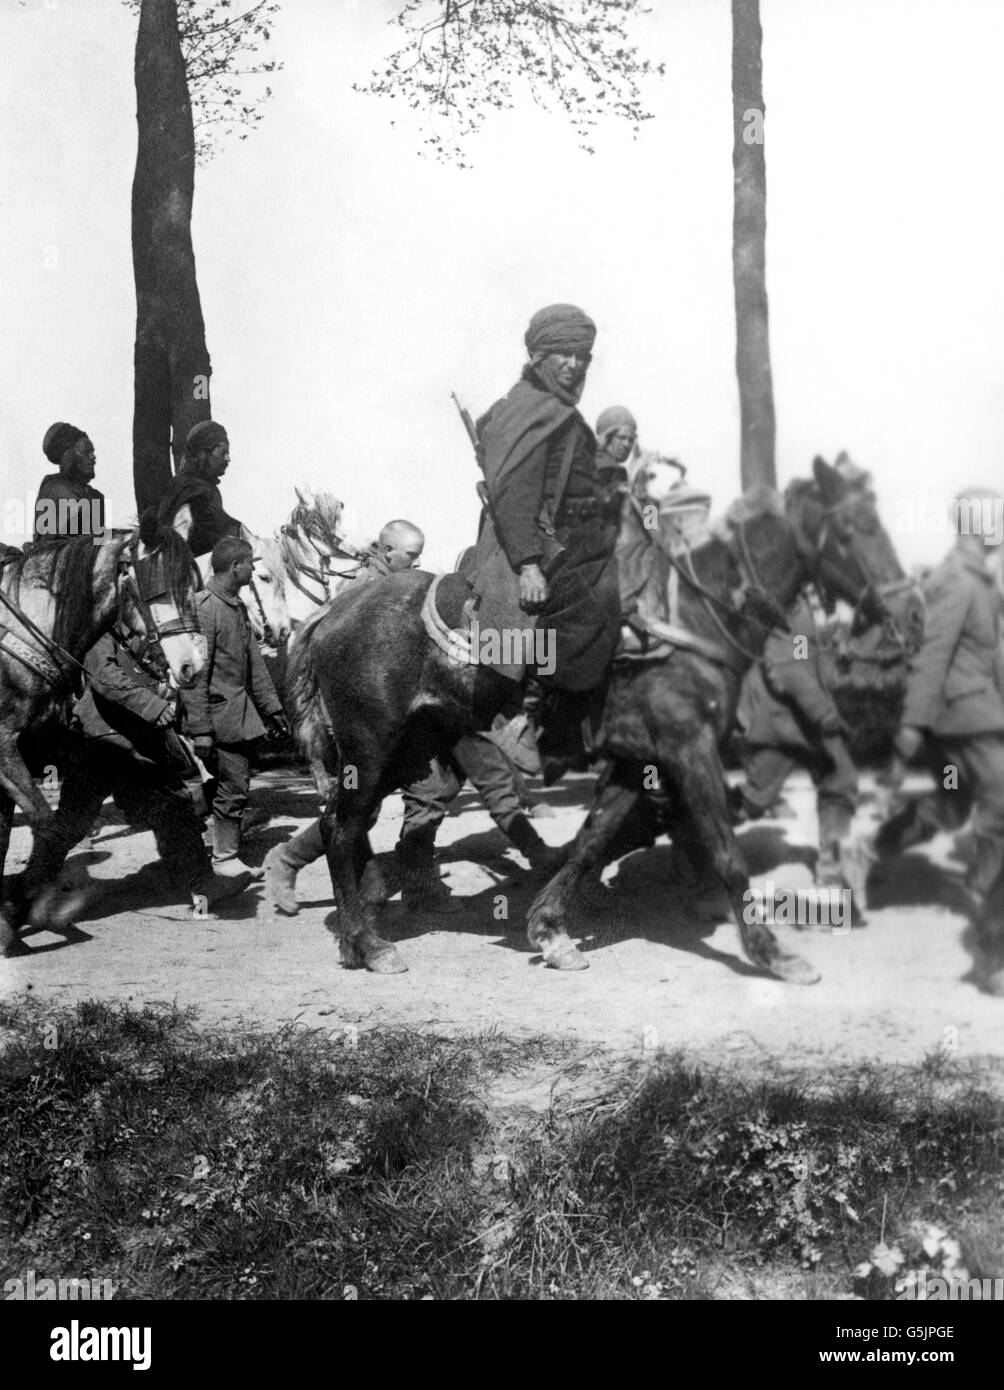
[{"x": 178, "y": 1162}]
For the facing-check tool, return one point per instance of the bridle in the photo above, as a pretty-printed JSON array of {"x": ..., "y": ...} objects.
[
  {"x": 823, "y": 567},
  {"x": 296, "y": 536},
  {"x": 818, "y": 564},
  {"x": 55, "y": 664}
]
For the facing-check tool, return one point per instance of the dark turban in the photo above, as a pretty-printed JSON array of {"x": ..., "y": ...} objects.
[
  {"x": 560, "y": 328},
  {"x": 204, "y": 437},
  {"x": 58, "y": 438}
]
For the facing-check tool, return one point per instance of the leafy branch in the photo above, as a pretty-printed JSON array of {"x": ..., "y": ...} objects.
[
  {"x": 220, "y": 47},
  {"x": 461, "y": 59}
]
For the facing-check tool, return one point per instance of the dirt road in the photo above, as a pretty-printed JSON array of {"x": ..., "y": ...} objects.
[{"x": 892, "y": 991}]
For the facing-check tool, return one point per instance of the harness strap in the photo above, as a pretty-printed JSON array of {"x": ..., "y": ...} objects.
[{"x": 677, "y": 636}]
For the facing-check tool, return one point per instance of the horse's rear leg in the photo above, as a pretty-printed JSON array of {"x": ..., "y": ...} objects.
[
  {"x": 345, "y": 824},
  {"x": 696, "y": 773},
  {"x": 547, "y": 921}
]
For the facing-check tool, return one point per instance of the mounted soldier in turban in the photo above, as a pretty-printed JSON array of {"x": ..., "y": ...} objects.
[
  {"x": 617, "y": 441},
  {"x": 192, "y": 503},
  {"x": 67, "y": 505},
  {"x": 545, "y": 553}
]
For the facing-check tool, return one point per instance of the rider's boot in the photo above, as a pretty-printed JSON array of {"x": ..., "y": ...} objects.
[
  {"x": 422, "y": 890},
  {"x": 210, "y": 888},
  {"x": 226, "y": 849},
  {"x": 284, "y": 862}
]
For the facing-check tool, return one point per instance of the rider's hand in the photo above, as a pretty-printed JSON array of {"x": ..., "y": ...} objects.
[
  {"x": 278, "y": 726},
  {"x": 907, "y": 742},
  {"x": 205, "y": 752},
  {"x": 532, "y": 587},
  {"x": 165, "y": 718},
  {"x": 831, "y": 725}
]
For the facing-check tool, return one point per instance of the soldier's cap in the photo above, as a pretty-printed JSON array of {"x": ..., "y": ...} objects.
[
  {"x": 60, "y": 437},
  {"x": 560, "y": 328},
  {"x": 204, "y": 437}
]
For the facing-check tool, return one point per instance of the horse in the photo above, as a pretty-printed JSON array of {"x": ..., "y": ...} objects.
[
  {"x": 56, "y": 600},
  {"x": 370, "y": 687},
  {"x": 309, "y": 543}
]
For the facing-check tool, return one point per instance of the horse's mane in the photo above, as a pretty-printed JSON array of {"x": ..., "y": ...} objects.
[
  {"x": 66, "y": 568},
  {"x": 757, "y": 501}
]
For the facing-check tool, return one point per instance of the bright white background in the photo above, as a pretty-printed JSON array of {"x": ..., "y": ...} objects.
[{"x": 348, "y": 285}]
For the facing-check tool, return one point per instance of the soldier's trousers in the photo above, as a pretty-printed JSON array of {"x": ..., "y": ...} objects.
[
  {"x": 427, "y": 800},
  {"x": 832, "y": 771},
  {"x": 233, "y": 780},
  {"x": 145, "y": 795}
]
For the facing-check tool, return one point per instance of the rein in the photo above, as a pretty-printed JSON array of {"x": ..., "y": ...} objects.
[
  {"x": 53, "y": 662},
  {"x": 296, "y": 565}
]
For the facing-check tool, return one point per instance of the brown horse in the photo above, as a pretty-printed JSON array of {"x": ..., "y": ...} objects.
[
  {"x": 56, "y": 600},
  {"x": 374, "y": 696}
]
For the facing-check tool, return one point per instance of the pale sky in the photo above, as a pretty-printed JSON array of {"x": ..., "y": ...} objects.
[{"x": 349, "y": 285}]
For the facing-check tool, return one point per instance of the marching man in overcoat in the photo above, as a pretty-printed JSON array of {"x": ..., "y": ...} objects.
[{"x": 955, "y": 703}]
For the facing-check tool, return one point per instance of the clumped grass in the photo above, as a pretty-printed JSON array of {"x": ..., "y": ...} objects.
[{"x": 181, "y": 1162}]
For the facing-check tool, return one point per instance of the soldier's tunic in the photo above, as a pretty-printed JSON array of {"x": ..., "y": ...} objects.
[
  {"x": 231, "y": 695},
  {"x": 954, "y": 694},
  {"x": 116, "y": 749},
  {"x": 65, "y": 507},
  {"x": 539, "y": 461}
]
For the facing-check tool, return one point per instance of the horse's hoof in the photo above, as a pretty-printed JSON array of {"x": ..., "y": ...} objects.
[
  {"x": 566, "y": 958},
  {"x": 992, "y": 983},
  {"x": 58, "y": 908},
  {"x": 384, "y": 960},
  {"x": 793, "y": 969}
]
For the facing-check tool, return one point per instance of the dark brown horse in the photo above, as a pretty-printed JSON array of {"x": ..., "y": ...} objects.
[
  {"x": 55, "y": 602},
  {"x": 374, "y": 695}
]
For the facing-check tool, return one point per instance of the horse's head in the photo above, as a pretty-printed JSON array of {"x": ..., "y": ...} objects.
[
  {"x": 157, "y": 582},
  {"x": 265, "y": 597},
  {"x": 655, "y": 477},
  {"x": 848, "y": 552},
  {"x": 318, "y": 518}
]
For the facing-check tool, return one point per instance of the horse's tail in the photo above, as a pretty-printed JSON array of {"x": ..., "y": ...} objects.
[{"x": 306, "y": 708}]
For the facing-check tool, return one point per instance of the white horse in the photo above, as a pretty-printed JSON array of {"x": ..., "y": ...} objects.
[{"x": 314, "y": 555}]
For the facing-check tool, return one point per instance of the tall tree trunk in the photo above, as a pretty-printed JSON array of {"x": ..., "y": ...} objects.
[
  {"x": 749, "y": 231},
  {"x": 172, "y": 368}
]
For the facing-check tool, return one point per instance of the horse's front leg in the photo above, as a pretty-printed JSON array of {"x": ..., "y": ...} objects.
[
  {"x": 344, "y": 830},
  {"x": 547, "y": 920},
  {"x": 695, "y": 771},
  {"x": 9, "y": 943}
]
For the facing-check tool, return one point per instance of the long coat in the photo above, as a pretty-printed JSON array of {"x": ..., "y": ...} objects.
[
  {"x": 82, "y": 513},
  {"x": 210, "y": 523},
  {"x": 539, "y": 455},
  {"x": 234, "y": 691},
  {"x": 954, "y": 684},
  {"x": 122, "y": 702}
]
